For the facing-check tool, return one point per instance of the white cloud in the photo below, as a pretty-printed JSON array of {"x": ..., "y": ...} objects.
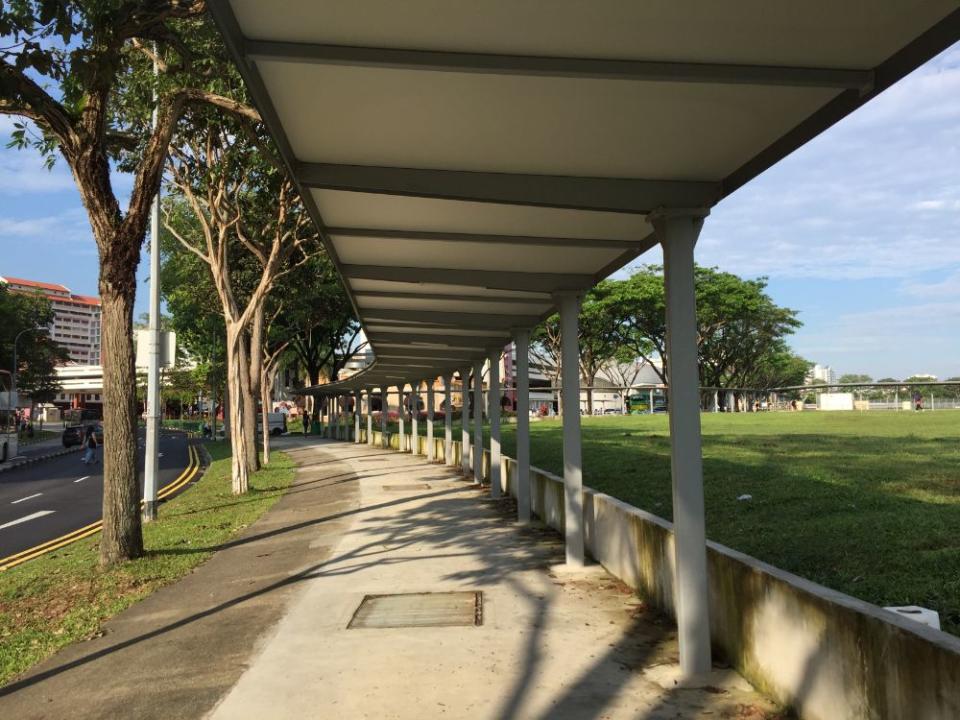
[
  {"x": 949, "y": 287},
  {"x": 873, "y": 197},
  {"x": 23, "y": 171},
  {"x": 69, "y": 227}
]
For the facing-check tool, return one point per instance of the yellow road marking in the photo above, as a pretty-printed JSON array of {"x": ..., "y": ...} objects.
[{"x": 193, "y": 467}]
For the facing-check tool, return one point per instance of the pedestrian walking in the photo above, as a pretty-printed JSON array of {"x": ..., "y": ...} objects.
[
  {"x": 306, "y": 423},
  {"x": 90, "y": 445}
]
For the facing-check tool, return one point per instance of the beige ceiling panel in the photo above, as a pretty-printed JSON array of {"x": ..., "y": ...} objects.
[
  {"x": 396, "y": 212},
  {"x": 446, "y": 305},
  {"x": 376, "y": 327},
  {"x": 360, "y": 285},
  {"x": 816, "y": 33},
  {"x": 471, "y": 255},
  {"x": 542, "y": 125}
]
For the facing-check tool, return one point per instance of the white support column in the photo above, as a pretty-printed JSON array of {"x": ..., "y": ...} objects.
[
  {"x": 447, "y": 420},
  {"x": 678, "y": 234},
  {"x": 383, "y": 416},
  {"x": 522, "y": 340},
  {"x": 572, "y": 462},
  {"x": 414, "y": 416},
  {"x": 465, "y": 420},
  {"x": 356, "y": 417},
  {"x": 370, "y": 416},
  {"x": 431, "y": 447},
  {"x": 478, "y": 422},
  {"x": 401, "y": 437},
  {"x": 336, "y": 417},
  {"x": 493, "y": 399}
]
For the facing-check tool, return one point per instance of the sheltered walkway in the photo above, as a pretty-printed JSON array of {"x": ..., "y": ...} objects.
[
  {"x": 552, "y": 643},
  {"x": 474, "y": 168}
]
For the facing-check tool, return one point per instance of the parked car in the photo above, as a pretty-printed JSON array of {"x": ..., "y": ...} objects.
[
  {"x": 613, "y": 411},
  {"x": 74, "y": 434}
]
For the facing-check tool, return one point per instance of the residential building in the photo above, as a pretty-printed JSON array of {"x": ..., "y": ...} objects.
[
  {"x": 76, "y": 321},
  {"x": 822, "y": 373}
]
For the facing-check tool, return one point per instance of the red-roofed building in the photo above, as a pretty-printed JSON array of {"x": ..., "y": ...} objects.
[{"x": 76, "y": 322}]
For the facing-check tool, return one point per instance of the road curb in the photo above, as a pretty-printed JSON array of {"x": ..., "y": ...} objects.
[{"x": 40, "y": 458}]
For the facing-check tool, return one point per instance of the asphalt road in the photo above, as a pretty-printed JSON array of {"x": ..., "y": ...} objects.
[{"x": 48, "y": 499}]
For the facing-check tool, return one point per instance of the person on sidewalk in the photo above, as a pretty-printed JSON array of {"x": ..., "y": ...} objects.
[
  {"x": 306, "y": 423},
  {"x": 90, "y": 443}
]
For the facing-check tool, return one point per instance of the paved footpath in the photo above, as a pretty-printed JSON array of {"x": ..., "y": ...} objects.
[{"x": 260, "y": 630}]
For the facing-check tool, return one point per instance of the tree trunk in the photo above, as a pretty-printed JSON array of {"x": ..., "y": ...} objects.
[
  {"x": 249, "y": 427},
  {"x": 265, "y": 383},
  {"x": 238, "y": 438},
  {"x": 122, "y": 537}
]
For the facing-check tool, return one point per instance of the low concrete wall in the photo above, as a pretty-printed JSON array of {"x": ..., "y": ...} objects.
[{"x": 826, "y": 654}]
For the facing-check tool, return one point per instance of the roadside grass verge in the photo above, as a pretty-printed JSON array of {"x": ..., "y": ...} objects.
[
  {"x": 65, "y": 597},
  {"x": 865, "y": 503}
]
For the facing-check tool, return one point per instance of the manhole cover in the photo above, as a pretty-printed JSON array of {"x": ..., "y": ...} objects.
[
  {"x": 408, "y": 486},
  {"x": 419, "y": 610}
]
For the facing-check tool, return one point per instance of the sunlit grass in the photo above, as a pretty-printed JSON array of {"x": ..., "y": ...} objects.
[
  {"x": 64, "y": 597},
  {"x": 866, "y": 503}
]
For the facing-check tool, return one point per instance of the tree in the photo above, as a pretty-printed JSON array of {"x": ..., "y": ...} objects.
[
  {"x": 80, "y": 77},
  {"x": 854, "y": 379},
  {"x": 244, "y": 206},
  {"x": 740, "y": 330},
  {"x": 598, "y": 339},
  {"x": 598, "y": 335},
  {"x": 639, "y": 305}
]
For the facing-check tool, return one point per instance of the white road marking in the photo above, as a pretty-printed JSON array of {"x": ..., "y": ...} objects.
[
  {"x": 18, "y": 457},
  {"x": 159, "y": 455},
  {"x": 28, "y": 497},
  {"x": 85, "y": 477},
  {"x": 24, "y": 519}
]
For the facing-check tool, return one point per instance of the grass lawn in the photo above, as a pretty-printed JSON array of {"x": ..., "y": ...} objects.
[
  {"x": 64, "y": 597},
  {"x": 866, "y": 503}
]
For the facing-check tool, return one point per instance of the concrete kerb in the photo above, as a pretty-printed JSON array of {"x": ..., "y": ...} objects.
[{"x": 826, "y": 654}]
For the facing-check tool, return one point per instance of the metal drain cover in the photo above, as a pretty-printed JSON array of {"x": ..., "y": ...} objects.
[
  {"x": 441, "y": 609},
  {"x": 408, "y": 486}
]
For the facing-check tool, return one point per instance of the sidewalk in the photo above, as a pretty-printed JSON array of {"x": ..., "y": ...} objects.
[
  {"x": 260, "y": 630},
  {"x": 552, "y": 644}
]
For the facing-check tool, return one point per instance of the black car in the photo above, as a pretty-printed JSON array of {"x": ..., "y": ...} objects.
[{"x": 74, "y": 434}]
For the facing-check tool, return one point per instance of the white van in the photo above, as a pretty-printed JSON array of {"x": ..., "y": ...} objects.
[{"x": 276, "y": 423}]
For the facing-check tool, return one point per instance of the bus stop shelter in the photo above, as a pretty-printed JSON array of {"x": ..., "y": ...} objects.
[{"x": 473, "y": 168}]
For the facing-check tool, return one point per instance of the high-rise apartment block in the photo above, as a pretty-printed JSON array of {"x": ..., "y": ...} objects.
[{"x": 76, "y": 322}]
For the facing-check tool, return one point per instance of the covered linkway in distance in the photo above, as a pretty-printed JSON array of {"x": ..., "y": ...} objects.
[{"x": 475, "y": 167}]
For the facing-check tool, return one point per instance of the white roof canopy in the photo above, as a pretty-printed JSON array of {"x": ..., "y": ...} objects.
[{"x": 466, "y": 161}]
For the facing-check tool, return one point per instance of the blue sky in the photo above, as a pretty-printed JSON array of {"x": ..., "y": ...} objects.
[{"x": 859, "y": 230}]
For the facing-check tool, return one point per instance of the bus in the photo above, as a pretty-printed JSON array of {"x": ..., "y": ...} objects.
[
  {"x": 8, "y": 419},
  {"x": 638, "y": 402}
]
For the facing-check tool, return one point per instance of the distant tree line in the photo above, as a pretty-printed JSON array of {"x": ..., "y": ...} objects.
[{"x": 741, "y": 333}]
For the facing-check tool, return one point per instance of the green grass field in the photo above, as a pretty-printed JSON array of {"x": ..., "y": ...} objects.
[
  {"x": 866, "y": 503},
  {"x": 64, "y": 597}
]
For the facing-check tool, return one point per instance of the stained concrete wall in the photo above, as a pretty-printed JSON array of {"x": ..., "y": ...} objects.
[{"x": 826, "y": 654}]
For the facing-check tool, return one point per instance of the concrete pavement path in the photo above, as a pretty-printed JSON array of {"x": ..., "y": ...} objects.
[
  {"x": 260, "y": 630},
  {"x": 552, "y": 644}
]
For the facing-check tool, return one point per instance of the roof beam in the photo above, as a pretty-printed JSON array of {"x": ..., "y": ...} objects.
[
  {"x": 404, "y": 340},
  {"x": 448, "y": 297},
  {"x": 565, "y": 67},
  {"x": 493, "y": 279},
  {"x": 624, "y": 195},
  {"x": 452, "y": 319},
  {"x": 489, "y": 239}
]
